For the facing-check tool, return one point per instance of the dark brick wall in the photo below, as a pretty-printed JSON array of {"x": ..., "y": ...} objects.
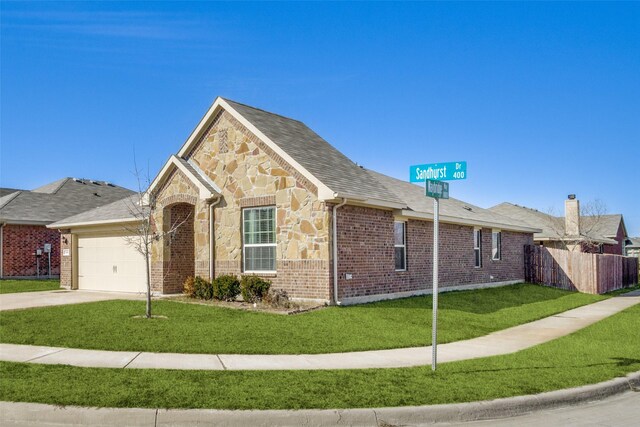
[
  {"x": 308, "y": 279},
  {"x": 19, "y": 243},
  {"x": 616, "y": 249},
  {"x": 180, "y": 248},
  {"x": 365, "y": 250}
]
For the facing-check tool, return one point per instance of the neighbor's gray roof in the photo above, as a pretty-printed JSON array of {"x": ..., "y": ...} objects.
[
  {"x": 635, "y": 242},
  {"x": 321, "y": 159},
  {"x": 553, "y": 226},
  {"x": 123, "y": 209},
  {"x": 6, "y": 191},
  {"x": 414, "y": 197},
  {"x": 58, "y": 200}
]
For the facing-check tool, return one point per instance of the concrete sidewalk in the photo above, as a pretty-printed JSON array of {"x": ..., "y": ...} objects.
[
  {"x": 23, "y": 300},
  {"x": 502, "y": 342}
]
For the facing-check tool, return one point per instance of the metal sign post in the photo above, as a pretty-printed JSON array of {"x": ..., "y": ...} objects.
[
  {"x": 434, "y": 326},
  {"x": 437, "y": 190}
]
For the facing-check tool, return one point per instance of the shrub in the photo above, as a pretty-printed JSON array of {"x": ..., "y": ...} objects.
[
  {"x": 203, "y": 289},
  {"x": 226, "y": 287},
  {"x": 254, "y": 288},
  {"x": 277, "y": 298},
  {"x": 189, "y": 288}
]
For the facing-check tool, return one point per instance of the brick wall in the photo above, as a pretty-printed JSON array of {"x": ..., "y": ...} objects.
[
  {"x": 308, "y": 279},
  {"x": 19, "y": 243},
  {"x": 180, "y": 264},
  {"x": 366, "y": 251},
  {"x": 616, "y": 249}
]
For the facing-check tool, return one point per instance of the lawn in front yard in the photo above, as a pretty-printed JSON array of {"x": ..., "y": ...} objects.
[
  {"x": 605, "y": 350},
  {"x": 8, "y": 286},
  {"x": 188, "y": 328}
]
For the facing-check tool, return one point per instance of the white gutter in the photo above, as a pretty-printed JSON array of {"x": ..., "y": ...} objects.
[
  {"x": 335, "y": 251},
  {"x": 212, "y": 245},
  {"x": 467, "y": 221}
]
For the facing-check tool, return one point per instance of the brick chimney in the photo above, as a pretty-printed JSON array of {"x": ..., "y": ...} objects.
[{"x": 572, "y": 216}]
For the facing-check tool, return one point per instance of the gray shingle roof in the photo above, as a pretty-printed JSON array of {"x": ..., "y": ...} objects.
[
  {"x": 6, "y": 191},
  {"x": 123, "y": 209},
  {"x": 604, "y": 227},
  {"x": 414, "y": 197},
  {"x": 321, "y": 159},
  {"x": 58, "y": 200},
  {"x": 635, "y": 242}
]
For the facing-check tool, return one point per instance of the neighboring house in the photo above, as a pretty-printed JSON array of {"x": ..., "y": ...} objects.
[
  {"x": 263, "y": 194},
  {"x": 594, "y": 233},
  {"x": 25, "y": 214},
  {"x": 633, "y": 247}
]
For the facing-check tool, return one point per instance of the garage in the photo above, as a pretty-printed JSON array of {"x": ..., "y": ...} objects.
[{"x": 109, "y": 263}]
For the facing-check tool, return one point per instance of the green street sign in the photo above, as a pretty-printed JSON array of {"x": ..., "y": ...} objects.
[
  {"x": 448, "y": 171},
  {"x": 437, "y": 189}
]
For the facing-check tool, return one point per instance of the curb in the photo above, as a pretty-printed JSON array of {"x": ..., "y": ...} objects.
[{"x": 19, "y": 413}]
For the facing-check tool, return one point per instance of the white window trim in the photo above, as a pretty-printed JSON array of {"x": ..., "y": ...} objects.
[
  {"x": 404, "y": 245},
  {"x": 499, "y": 232},
  {"x": 479, "y": 247},
  {"x": 256, "y": 245}
]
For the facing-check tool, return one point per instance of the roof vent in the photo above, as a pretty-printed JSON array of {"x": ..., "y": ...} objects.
[
  {"x": 109, "y": 184},
  {"x": 97, "y": 195},
  {"x": 467, "y": 208},
  {"x": 77, "y": 180},
  {"x": 95, "y": 182}
]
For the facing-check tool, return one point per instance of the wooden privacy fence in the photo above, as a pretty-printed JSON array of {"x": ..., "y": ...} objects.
[{"x": 578, "y": 271}]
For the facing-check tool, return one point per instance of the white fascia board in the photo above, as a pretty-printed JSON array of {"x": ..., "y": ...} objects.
[
  {"x": 93, "y": 223},
  {"x": 362, "y": 201},
  {"x": 220, "y": 103},
  {"x": 159, "y": 178},
  {"x": 465, "y": 221}
]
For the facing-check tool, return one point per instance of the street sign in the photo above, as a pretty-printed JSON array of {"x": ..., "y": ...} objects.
[
  {"x": 449, "y": 171},
  {"x": 437, "y": 189}
]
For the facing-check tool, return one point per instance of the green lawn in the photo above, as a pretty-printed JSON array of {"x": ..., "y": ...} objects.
[
  {"x": 605, "y": 350},
  {"x": 13, "y": 286},
  {"x": 191, "y": 328}
]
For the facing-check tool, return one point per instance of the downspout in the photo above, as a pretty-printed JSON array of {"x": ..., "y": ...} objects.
[
  {"x": 335, "y": 250},
  {"x": 2, "y": 249},
  {"x": 212, "y": 248}
]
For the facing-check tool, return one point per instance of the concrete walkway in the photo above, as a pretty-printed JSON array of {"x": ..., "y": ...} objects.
[
  {"x": 501, "y": 342},
  {"x": 22, "y": 300}
]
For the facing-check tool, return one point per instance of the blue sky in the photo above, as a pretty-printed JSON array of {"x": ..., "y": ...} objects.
[{"x": 541, "y": 99}]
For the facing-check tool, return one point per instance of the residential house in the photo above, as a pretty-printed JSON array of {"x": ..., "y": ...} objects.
[
  {"x": 259, "y": 193},
  {"x": 599, "y": 233},
  {"x": 633, "y": 247},
  {"x": 24, "y": 215}
]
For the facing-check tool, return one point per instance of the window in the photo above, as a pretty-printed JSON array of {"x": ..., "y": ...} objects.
[
  {"x": 259, "y": 239},
  {"x": 477, "y": 246},
  {"x": 496, "y": 245},
  {"x": 400, "y": 245}
]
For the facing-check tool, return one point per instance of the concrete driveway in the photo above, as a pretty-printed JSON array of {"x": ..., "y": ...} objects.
[{"x": 22, "y": 300}]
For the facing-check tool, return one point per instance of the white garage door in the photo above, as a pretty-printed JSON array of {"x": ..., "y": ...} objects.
[{"x": 108, "y": 263}]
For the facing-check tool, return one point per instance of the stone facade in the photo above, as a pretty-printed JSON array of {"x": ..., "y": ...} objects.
[
  {"x": 249, "y": 174},
  {"x": 19, "y": 244}
]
